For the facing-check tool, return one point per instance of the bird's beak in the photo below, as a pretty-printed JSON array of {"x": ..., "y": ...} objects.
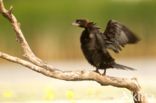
[{"x": 75, "y": 24}]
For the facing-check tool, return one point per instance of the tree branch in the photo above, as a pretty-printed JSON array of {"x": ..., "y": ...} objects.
[
  {"x": 28, "y": 54},
  {"x": 36, "y": 64}
]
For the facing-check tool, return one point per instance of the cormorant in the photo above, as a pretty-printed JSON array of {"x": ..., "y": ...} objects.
[{"x": 95, "y": 44}]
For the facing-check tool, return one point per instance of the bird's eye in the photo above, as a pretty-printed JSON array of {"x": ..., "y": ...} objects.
[{"x": 77, "y": 21}]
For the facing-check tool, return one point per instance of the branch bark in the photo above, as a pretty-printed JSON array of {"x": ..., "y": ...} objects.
[{"x": 34, "y": 63}]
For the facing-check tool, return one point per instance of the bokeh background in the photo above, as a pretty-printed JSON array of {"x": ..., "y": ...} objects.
[{"x": 47, "y": 27}]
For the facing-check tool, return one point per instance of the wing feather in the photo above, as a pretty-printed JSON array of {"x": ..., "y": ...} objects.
[{"x": 119, "y": 35}]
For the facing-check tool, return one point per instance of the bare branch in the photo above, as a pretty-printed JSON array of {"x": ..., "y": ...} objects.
[
  {"x": 20, "y": 37},
  {"x": 130, "y": 84},
  {"x": 36, "y": 64}
]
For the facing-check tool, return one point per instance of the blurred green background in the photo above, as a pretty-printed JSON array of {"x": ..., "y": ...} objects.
[{"x": 47, "y": 27}]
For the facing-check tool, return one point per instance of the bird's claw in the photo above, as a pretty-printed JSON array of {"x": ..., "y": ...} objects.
[
  {"x": 97, "y": 71},
  {"x": 104, "y": 73}
]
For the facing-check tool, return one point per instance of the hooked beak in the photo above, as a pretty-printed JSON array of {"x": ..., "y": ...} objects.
[{"x": 75, "y": 24}]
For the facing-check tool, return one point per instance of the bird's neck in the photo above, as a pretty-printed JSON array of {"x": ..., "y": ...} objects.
[{"x": 90, "y": 27}]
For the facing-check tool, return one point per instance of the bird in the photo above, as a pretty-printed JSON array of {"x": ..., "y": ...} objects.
[{"x": 96, "y": 44}]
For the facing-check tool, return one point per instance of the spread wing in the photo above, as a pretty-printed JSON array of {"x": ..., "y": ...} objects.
[{"x": 118, "y": 35}]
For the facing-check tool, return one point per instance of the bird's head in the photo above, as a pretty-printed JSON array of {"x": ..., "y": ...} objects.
[
  {"x": 83, "y": 23},
  {"x": 80, "y": 23}
]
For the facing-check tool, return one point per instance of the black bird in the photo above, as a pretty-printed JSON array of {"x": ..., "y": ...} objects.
[{"x": 95, "y": 44}]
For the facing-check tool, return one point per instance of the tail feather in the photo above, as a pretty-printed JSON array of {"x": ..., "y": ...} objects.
[{"x": 119, "y": 66}]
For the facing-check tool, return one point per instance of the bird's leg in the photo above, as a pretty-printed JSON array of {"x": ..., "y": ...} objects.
[
  {"x": 97, "y": 71},
  {"x": 104, "y": 73}
]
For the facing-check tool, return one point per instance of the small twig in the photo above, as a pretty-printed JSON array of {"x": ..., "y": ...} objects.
[{"x": 36, "y": 64}]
